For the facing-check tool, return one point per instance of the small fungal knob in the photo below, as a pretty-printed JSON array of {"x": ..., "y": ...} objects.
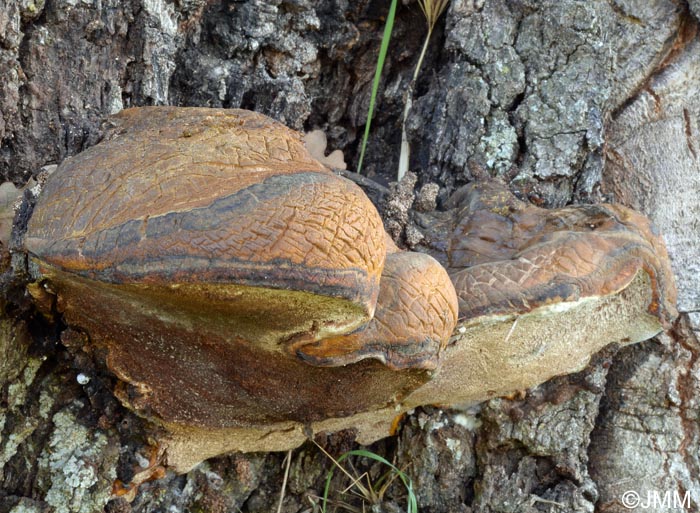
[{"x": 399, "y": 337}]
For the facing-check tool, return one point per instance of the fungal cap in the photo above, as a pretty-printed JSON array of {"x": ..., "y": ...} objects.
[
  {"x": 540, "y": 291},
  {"x": 509, "y": 258},
  {"x": 223, "y": 206}
]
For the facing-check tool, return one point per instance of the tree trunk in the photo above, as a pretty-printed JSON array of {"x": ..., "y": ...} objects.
[{"x": 566, "y": 101}]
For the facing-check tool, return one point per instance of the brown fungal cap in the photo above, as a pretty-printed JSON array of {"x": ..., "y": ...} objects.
[
  {"x": 198, "y": 197},
  {"x": 540, "y": 291},
  {"x": 508, "y": 257}
]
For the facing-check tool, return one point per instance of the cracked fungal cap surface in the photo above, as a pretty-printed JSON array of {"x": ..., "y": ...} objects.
[
  {"x": 187, "y": 197},
  {"x": 229, "y": 279},
  {"x": 509, "y": 257}
]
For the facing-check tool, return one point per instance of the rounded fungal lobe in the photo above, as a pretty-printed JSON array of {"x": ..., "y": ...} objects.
[{"x": 224, "y": 205}]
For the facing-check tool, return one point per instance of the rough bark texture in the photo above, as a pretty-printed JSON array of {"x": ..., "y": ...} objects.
[{"x": 566, "y": 100}]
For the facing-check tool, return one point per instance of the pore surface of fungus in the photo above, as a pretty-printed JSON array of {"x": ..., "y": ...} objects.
[{"x": 246, "y": 297}]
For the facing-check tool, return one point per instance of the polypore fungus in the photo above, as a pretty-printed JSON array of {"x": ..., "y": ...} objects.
[
  {"x": 541, "y": 290},
  {"x": 247, "y": 298}
]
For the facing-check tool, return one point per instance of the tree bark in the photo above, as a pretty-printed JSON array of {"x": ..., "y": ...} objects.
[{"x": 566, "y": 101}]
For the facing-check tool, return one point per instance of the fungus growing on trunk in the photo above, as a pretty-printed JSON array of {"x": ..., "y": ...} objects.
[{"x": 246, "y": 297}]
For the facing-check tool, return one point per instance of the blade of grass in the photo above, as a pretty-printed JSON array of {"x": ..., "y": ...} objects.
[
  {"x": 327, "y": 487},
  {"x": 388, "y": 27},
  {"x": 412, "y": 506},
  {"x": 408, "y": 484}
]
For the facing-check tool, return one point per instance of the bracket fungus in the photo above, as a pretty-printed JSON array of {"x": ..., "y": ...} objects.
[{"x": 246, "y": 297}]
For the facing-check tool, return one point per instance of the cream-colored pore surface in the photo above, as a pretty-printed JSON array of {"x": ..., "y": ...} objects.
[{"x": 486, "y": 357}]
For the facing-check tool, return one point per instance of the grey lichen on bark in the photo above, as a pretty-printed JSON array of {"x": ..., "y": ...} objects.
[
  {"x": 45, "y": 449},
  {"x": 77, "y": 471}
]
